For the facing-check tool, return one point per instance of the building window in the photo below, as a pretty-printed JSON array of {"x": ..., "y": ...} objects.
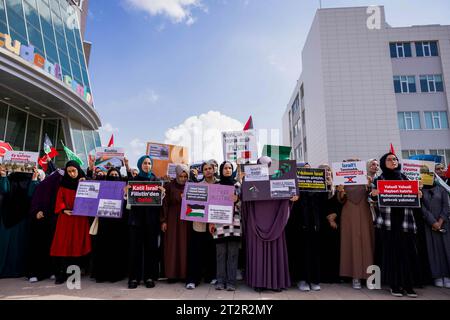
[
  {"x": 3, "y": 113},
  {"x": 302, "y": 91},
  {"x": 445, "y": 154},
  {"x": 405, "y": 84},
  {"x": 407, "y": 153},
  {"x": 295, "y": 105},
  {"x": 298, "y": 152},
  {"x": 15, "y": 128},
  {"x": 33, "y": 134},
  {"x": 431, "y": 83},
  {"x": 427, "y": 49},
  {"x": 436, "y": 120},
  {"x": 295, "y": 129},
  {"x": 400, "y": 49},
  {"x": 409, "y": 120}
]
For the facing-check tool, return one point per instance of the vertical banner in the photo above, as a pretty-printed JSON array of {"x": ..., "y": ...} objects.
[
  {"x": 163, "y": 154},
  {"x": 419, "y": 170},
  {"x": 108, "y": 158},
  {"x": 240, "y": 145},
  {"x": 401, "y": 193},
  {"x": 20, "y": 161},
  {"x": 311, "y": 179},
  {"x": 211, "y": 203},
  {"x": 351, "y": 173},
  {"x": 99, "y": 199},
  {"x": 144, "y": 193},
  {"x": 264, "y": 182}
]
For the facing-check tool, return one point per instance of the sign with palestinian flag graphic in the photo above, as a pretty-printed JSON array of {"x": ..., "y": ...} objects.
[{"x": 210, "y": 203}]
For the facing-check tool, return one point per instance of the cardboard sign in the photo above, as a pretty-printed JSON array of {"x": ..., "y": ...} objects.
[
  {"x": 144, "y": 193},
  {"x": 108, "y": 158},
  {"x": 204, "y": 202},
  {"x": 274, "y": 182},
  {"x": 419, "y": 170},
  {"x": 310, "y": 179},
  {"x": 239, "y": 145},
  {"x": 99, "y": 199},
  {"x": 398, "y": 193},
  {"x": 163, "y": 154},
  {"x": 20, "y": 161},
  {"x": 350, "y": 173}
]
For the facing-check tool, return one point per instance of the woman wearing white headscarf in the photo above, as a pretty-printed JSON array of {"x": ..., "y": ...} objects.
[{"x": 175, "y": 230}]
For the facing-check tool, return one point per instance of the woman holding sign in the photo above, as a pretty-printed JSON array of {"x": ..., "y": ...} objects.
[
  {"x": 71, "y": 240},
  {"x": 175, "y": 230},
  {"x": 397, "y": 235},
  {"x": 357, "y": 233},
  {"x": 227, "y": 237},
  {"x": 144, "y": 230}
]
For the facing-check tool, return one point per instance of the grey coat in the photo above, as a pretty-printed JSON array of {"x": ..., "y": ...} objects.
[{"x": 435, "y": 205}]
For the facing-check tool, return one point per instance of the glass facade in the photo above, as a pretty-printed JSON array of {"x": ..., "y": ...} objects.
[
  {"x": 25, "y": 131},
  {"x": 52, "y": 27}
]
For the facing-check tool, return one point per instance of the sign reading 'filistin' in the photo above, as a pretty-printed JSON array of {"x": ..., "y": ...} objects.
[{"x": 27, "y": 53}]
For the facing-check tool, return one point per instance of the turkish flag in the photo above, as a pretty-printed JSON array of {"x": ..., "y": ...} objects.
[
  {"x": 4, "y": 146},
  {"x": 111, "y": 141}
]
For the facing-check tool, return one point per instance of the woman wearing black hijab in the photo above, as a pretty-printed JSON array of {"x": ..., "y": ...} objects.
[
  {"x": 111, "y": 243},
  {"x": 71, "y": 241},
  {"x": 396, "y": 236},
  {"x": 228, "y": 236}
]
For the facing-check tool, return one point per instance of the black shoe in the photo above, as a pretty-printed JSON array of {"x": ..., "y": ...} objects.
[
  {"x": 411, "y": 293},
  {"x": 172, "y": 281},
  {"x": 149, "y": 283},
  {"x": 397, "y": 292},
  {"x": 132, "y": 284},
  {"x": 59, "y": 280},
  {"x": 259, "y": 289},
  {"x": 276, "y": 290}
]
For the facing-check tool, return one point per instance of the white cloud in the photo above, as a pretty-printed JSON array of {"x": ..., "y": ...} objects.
[
  {"x": 177, "y": 10},
  {"x": 108, "y": 127},
  {"x": 202, "y": 135}
]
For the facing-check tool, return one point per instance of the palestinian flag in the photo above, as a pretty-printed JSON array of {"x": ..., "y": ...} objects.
[{"x": 195, "y": 210}]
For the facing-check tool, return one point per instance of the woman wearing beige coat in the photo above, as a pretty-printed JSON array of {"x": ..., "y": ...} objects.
[{"x": 357, "y": 233}]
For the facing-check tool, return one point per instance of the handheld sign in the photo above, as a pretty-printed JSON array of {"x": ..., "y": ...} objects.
[{"x": 144, "y": 193}]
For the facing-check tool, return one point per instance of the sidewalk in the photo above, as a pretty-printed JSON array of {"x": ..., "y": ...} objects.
[{"x": 20, "y": 289}]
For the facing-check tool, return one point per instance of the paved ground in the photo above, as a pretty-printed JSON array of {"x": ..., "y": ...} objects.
[{"x": 13, "y": 289}]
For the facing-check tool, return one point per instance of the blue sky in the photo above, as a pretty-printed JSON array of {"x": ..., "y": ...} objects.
[{"x": 155, "y": 63}]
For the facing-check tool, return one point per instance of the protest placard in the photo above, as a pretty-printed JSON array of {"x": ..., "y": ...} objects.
[
  {"x": 99, "y": 199},
  {"x": 350, "y": 173},
  {"x": 398, "y": 193},
  {"x": 144, "y": 193},
  {"x": 311, "y": 179}
]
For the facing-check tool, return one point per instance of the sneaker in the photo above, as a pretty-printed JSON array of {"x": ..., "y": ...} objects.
[
  {"x": 213, "y": 282},
  {"x": 33, "y": 279},
  {"x": 439, "y": 282},
  {"x": 356, "y": 284},
  {"x": 315, "y": 287},
  {"x": 190, "y": 286},
  {"x": 396, "y": 292},
  {"x": 411, "y": 293},
  {"x": 447, "y": 283},
  {"x": 303, "y": 286},
  {"x": 220, "y": 286},
  {"x": 231, "y": 287}
]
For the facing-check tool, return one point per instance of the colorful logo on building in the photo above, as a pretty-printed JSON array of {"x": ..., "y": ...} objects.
[{"x": 27, "y": 53}]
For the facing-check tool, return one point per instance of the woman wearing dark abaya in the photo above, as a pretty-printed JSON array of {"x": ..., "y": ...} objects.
[
  {"x": 435, "y": 209},
  {"x": 397, "y": 236},
  {"x": 144, "y": 228},
  {"x": 176, "y": 231},
  {"x": 43, "y": 223},
  {"x": 329, "y": 234},
  {"x": 111, "y": 243},
  {"x": 14, "y": 222},
  {"x": 266, "y": 253},
  {"x": 71, "y": 242}
]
